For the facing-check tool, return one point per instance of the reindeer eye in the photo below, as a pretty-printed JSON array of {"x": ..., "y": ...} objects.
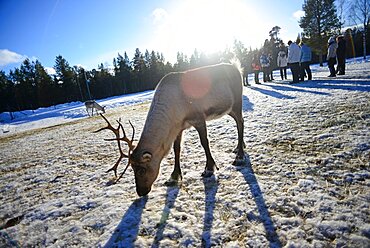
[{"x": 140, "y": 171}]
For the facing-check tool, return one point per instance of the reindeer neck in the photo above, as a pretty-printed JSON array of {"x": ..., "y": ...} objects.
[{"x": 161, "y": 127}]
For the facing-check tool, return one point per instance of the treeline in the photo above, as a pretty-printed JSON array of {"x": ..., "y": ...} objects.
[{"x": 31, "y": 87}]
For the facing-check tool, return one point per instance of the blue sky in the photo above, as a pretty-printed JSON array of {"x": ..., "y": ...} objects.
[{"x": 87, "y": 33}]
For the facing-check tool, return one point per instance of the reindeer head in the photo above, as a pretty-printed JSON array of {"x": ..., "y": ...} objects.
[
  {"x": 141, "y": 162},
  {"x": 146, "y": 170}
]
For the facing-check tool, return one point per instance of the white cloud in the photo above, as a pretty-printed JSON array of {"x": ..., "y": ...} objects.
[
  {"x": 50, "y": 70},
  {"x": 298, "y": 14},
  {"x": 8, "y": 57}
]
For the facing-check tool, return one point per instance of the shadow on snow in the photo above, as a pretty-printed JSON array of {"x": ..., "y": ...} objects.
[
  {"x": 279, "y": 91},
  {"x": 272, "y": 93},
  {"x": 210, "y": 190},
  {"x": 172, "y": 193},
  {"x": 264, "y": 215},
  {"x": 127, "y": 230},
  {"x": 338, "y": 83},
  {"x": 247, "y": 105}
]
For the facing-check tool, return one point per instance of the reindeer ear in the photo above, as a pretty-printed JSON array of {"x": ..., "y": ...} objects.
[{"x": 146, "y": 157}]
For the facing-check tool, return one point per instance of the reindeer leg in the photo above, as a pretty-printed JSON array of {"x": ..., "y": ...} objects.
[
  {"x": 176, "y": 174},
  {"x": 241, "y": 145},
  {"x": 202, "y": 131}
]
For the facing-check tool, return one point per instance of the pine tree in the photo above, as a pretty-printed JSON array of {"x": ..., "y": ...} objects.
[
  {"x": 319, "y": 23},
  {"x": 147, "y": 78},
  {"x": 123, "y": 73},
  {"x": 101, "y": 82},
  {"x": 360, "y": 12},
  {"x": 182, "y": 63},
  {"x": 44, "y": 86},
  {"x": 153, "y": 69},
  {"x": 7, "y": 98},
  {"x": 25, "y": 86},
  {"x": 274, "y": 33},
  {"x": 194, "y": 59},
  {"x": 139, "y": 67},
  {"x": 66, "y": 80}
]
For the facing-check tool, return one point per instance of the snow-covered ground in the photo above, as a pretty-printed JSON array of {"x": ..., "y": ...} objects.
[
  {"x": 62, "y": 113},
  {"x": 307, "y": 184}
]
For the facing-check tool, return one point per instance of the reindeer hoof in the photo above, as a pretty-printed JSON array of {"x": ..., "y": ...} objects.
[
  {"x": 207, "y": 173},
  {"x": 239, "y": 162},
  {"x": 242, "y": 161},
  {"x": 172, "y": 182}
]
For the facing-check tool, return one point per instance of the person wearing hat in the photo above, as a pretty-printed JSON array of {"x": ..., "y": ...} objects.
[{"x": 332, "y": 55}]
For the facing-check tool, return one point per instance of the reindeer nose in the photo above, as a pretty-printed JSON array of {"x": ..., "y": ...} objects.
[{"x": 143, "y": 191}]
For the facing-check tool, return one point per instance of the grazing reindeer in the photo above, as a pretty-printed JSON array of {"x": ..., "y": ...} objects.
[
  {"x": 182, "y": 100},
  {"x": 91, "y": 104}
]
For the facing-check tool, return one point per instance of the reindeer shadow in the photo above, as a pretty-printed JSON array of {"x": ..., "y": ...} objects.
[
  {"x": 127, "y": 230},
  {"x": 247, "y": 105},
  {"x": 172, "y": 193},
  {"x": 210, "y": 190},
  {"x": 247, "y": 171}
]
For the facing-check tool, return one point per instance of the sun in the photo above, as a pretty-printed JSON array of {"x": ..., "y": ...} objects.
[{"x": 206, "y": 25}]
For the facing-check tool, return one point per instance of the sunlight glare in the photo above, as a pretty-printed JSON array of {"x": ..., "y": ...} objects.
[{"x": 206, "y": 25}]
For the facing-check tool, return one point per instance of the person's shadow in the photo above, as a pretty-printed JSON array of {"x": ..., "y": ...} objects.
[
  {"x": 247, "y": 171},
  {"x": 127, "y": 230}
]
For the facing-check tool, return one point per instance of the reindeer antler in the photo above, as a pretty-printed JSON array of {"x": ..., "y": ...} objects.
[{"x": 118, "y": 138}]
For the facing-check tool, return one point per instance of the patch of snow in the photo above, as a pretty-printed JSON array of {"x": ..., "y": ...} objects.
[{"x": 306, "y": 183}]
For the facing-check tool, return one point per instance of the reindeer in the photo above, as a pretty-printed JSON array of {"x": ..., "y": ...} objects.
[
  {"x": 91, "y": 104},
  {"x": 182, "y": 100}
]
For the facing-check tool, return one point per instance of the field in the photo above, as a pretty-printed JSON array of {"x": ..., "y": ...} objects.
[{"x": 306, "y": 183}]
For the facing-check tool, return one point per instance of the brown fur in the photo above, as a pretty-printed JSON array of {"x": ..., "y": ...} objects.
[{"x": 182, "y": 100}]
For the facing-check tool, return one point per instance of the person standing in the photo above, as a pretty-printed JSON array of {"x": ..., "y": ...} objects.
[
  {"x": 294, "y": 55},
  {"x": 306, "y": 56},
  {"x": 256, "y": 67},
  {"x": 332, "y": 55},
  {"x": 271, "y": 69},
  {"x": 265, "y": 64},
  {"x": 282, "y": 62},
  {"x": 341, "y": 55}
]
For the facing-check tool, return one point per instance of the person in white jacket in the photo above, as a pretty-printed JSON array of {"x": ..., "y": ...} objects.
[
  {"x": 294, "y": 56},
  {"x": 282, "y": 62},
  {"x": 332, "y": 55}
]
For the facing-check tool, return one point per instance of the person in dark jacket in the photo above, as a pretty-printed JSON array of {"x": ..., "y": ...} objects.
[{"x": 341, "y": 55}]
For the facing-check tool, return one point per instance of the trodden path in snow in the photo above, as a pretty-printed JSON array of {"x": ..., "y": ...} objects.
[{"x": 306, "y": 183}]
